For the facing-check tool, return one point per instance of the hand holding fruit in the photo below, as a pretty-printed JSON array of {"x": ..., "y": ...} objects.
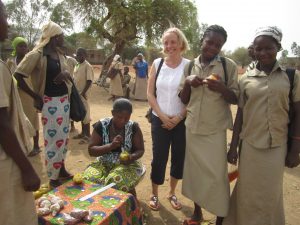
[
  {"x": 214, "y": 84},
  {"x": 125, "y": 157},
  {"x": 117, "y": 141}
]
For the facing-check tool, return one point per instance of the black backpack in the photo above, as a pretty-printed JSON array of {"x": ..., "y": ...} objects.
[{"x": 291, "y": 75}]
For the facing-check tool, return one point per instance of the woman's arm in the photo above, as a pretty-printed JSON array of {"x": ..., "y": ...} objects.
[
  {"x": 220, "y": 87},
  {"x": 232, "y": 155},
  {"x": 138, "y": 144},
  {"x": 38, "y": 101},
  {"x": 292, "y": 159},
  {"x": 97, "y": 149}
]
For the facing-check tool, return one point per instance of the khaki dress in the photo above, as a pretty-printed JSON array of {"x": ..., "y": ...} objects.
[
  {"x": 205, "y": 176},
  {"x": 16, "y": 205},
  {"x": 116, "y": 83},
  {"x": 27, "y": 101},
  {"x": 257, "y": 198},
  {"x": 82, "y": 73}
]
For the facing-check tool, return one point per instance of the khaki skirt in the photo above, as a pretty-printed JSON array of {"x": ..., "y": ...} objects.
[
  {"x": 205, "y": 175},
  {"x": 257, "y": 198}
]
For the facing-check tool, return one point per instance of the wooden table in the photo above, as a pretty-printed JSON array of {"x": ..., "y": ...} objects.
[{"x": 111, "y": 207}]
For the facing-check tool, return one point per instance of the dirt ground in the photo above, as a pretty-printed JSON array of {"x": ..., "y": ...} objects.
[{"x": 78, "y": 158}]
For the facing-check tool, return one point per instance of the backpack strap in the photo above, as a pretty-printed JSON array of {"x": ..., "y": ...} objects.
[
  {"x": 191, "y": 65},
  {"x": 291, "y": 75},
  {"x": 223, "y": 61},
  {"x": 157, "y": 73}
]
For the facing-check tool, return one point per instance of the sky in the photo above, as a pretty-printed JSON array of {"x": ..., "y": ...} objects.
[{"x": 241, "y": 18}]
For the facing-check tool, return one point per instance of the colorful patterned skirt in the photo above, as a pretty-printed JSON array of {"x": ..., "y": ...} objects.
[
  {"x": 55, "y": 120},
  {"x": 126, "y": 177}
]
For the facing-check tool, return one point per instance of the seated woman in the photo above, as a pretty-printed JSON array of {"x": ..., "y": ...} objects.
[{"x": 110, "y": 137}]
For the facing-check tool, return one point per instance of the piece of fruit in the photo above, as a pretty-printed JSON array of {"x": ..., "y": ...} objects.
[
  {"x": 213, "y": 76},
  {"x": 124, "y": 156},
  {"x": 78, "y": 179},
  {"x": 37, "y": 194}
]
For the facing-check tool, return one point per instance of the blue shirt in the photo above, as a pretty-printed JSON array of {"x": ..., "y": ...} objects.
[{"x": 141, "y": 68}]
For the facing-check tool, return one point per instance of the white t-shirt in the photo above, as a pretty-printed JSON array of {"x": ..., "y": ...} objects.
[{"x": 167, "y": 85}]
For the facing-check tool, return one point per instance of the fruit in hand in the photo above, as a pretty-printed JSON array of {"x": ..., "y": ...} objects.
[
  {"x": 78, "y": 179},
  {"x": 124, "y": 156},
  {"x": 213, "y": 76}
]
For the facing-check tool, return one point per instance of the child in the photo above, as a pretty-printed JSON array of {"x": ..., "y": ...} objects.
[
  {"x": 83, "y": 78},
  {"x": 125, "y": 82},
  {"x": 205, "y": 177},
  {"x": 20, "y": 49}
]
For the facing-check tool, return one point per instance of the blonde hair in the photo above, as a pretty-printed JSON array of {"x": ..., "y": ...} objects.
[{"x": 181, "y": 38}]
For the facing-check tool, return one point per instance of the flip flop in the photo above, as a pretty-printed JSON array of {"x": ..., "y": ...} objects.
[
  {"x": 34, "y": 152},
  {"x": 154, "y": 203},
  {"x": 174, "y": 202},
  {"x": 191, "y": 222}
]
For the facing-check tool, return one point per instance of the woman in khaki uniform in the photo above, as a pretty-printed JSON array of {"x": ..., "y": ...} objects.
[
  {"x": 20, "y": 49},
  {"x": 46, "y": 66},
  {"x": 115, "y": 88},
  {"x": 208, "y": 99},
  {"x": 262, "y": 126}
]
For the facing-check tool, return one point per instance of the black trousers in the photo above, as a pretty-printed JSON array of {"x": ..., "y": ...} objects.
[{"x": 162, "y": 141}]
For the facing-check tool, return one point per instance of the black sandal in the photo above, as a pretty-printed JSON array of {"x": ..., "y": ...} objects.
[{"x": 154, "y": 203}]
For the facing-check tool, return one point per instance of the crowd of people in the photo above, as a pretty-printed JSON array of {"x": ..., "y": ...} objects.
[{"x": 191, "y": 112}]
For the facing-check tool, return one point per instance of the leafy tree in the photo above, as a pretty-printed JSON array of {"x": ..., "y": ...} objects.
[
  {"x": 27, "y": 17},
  {"x": 62, "y": 17},
  {"x": 123, "y": 22},
  {"x": 295, "y": 49},
  {"x": 240, "y": 56},
  {"x": 81, "y": 39}
]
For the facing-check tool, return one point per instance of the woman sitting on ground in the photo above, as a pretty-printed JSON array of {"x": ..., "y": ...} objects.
[{"x": 110, "y": 137}]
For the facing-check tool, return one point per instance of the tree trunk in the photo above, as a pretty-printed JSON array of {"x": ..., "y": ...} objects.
[{"x": 118, "y": 49}]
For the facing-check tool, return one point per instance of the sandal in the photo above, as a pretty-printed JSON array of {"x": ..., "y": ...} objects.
[
  {"x": 174, "y": 202},
  {"x": 191, "y": 222},
  {"x": 154, "y": 203}
]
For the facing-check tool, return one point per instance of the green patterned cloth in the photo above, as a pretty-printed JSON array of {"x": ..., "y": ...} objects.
[{"x": 126, "y": 177}]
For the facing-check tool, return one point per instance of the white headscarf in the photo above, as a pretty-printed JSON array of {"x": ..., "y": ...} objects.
[
  {"x": 49, "y": 30},
  {"x": 116, "y": 57},
  {"x": 271, "y": 31}
]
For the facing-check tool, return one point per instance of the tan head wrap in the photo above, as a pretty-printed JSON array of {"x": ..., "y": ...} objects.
[{"x": 49, "y": 30}]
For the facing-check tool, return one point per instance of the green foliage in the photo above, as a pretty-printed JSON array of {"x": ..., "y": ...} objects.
[
  {"x": 122, "y": 22},
  {"x": 27, "y": 16},
  {"x": 240, "y": 56},
  {"x": 81, "y": 39},
  {"x": 295, "y": 49},
  {"x": 62, "y": 17}
]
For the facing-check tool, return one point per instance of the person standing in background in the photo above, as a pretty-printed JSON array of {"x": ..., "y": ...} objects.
[
  {"x": 208, "y": 91},
  {"x": 20, "y": 49},
  {"x": 83, "y": 79},
  {"x": 115, "y": 87},
  {"x": 126, "y": 81},
  {"x": 167, "y": 126},
  {"x": 18, "y": 178},
  {"x": 141, "y": 76},
  {"x": 51, "y": 81}
]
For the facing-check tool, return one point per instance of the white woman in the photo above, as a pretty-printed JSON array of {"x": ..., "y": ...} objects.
[{"x": 167, "y": 126}]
